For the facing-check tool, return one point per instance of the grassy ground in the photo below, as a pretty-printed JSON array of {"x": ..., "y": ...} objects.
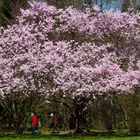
[
  {"x": 49, "y": 137},
  {"x": 46, "y": 134}
]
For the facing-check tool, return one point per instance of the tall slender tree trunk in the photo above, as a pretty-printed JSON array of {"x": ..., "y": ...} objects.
[
  {"x": 78, "y": 117},
  {"x": 126, "y": 5}
]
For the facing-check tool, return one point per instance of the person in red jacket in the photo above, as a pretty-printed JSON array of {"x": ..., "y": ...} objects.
[{"x": 34, "y": 123}]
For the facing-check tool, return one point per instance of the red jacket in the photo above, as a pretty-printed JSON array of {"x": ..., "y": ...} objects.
[
  {"x": 34, "y": 120},
  {"x": 55, "y": 120}
]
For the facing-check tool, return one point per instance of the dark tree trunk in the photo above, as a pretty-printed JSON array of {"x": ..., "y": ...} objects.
[
  {"x": 79, "y": 117},
  {"x": 78, "y": 122}
]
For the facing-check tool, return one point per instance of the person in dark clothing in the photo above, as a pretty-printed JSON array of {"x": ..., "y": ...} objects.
[{"x": 55, "y": 123}]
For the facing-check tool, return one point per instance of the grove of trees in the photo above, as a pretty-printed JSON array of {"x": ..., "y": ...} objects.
[
  {"x": 10, "y": 8},
  {"x": 81, "y": 63}
]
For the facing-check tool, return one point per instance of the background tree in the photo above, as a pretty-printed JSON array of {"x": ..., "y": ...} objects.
[{"x": 9, "y": 9}]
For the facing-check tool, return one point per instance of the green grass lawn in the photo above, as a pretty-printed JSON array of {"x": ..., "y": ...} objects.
[{"x": 47, "y": 137}]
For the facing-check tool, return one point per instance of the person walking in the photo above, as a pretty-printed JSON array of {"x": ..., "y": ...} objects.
[
  {"x": 55, "y": 123},
  {"x": 34, "y": 123}
]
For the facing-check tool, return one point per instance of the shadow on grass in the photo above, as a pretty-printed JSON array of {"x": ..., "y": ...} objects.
[
  {"x": 65, "y": 136},
  {"x": 13, "y": 135},
  {"x": 36, "y": 136}
]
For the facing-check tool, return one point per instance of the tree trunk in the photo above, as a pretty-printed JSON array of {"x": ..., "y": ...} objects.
[
  {"x": 133, "y": 114},
  {"x": 18, "y": 128},
  {"x": 78, "y": 124},
  {"x": 126, "y": 5},
  {"x": 78, "y": 117}
]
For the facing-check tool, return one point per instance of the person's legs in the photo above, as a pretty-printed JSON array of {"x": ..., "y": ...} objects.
[
  {"x": 33, "y": 129},
  {"x": 55, "y": 129},
  {"x": 37, "y": 129}
]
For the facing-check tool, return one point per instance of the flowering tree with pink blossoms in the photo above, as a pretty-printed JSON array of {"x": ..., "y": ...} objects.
[
  {"x": 86, "y": 73},
  {"x": 23, "y": 66},
  {"x": 69, "y": 54}
]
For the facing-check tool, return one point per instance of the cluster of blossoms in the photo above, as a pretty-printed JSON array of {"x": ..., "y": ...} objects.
[{"x": 34, "y": 58}]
